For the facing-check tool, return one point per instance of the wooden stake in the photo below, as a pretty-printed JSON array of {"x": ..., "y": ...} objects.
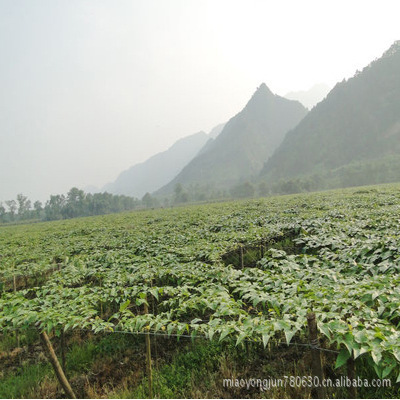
[
  {"x": 56, "y": 365},
  {"x": 351, "y": 373},
  {"x": 148, "y": 356},
  {"x": 62, "y": 350},
  {"x": 16, "y": 332},
  {"x": 317, "y": 370}
]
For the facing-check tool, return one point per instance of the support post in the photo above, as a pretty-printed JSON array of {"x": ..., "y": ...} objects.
[
  {"x": 62, "y": 350},
  {"x": 241, "y": 258},
  {"x": 16, "y": 332},
  {"x": 56, "y": 365},
  {"x": 351, "y": 374},
  {"x": 317, "y": 371},
  {"x": 148, "y": 356}
]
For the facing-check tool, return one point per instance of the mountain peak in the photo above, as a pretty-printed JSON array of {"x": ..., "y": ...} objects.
[
  {"x": 263, "y": 89},
  {"x": 394, "y": 48},
  {"x": 262, "y": 95},
  {"x": 240, "y": 150}
]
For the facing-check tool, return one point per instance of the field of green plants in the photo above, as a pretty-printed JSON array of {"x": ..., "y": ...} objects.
[{"x": 237, "y": 273}]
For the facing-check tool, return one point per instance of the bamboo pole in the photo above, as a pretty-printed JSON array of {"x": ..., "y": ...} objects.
[
  {"x": 148, "y": 356},
  {"x": 316, "y": 364},
  {"x": 56, "y": 365}
]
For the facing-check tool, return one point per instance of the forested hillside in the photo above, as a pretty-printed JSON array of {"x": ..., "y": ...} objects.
[
  {"x": 246, "y": 141},
  {"x": 350, "y": 138}
]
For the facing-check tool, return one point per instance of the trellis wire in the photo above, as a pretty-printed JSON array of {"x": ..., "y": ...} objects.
[{"x": 175, "y": 335}]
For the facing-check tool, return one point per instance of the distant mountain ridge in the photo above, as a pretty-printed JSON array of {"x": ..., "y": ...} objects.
[
  {"x": 159, "y": 169},
  {"x": 245, "y": 142},
  {"x": 358, "y": 122},
  {"x": 309, "y": 98},
  {"x": 350, "y": 137}
]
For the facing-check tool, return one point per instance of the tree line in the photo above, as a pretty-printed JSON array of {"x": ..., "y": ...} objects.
[{"x": 76, "y": 203}]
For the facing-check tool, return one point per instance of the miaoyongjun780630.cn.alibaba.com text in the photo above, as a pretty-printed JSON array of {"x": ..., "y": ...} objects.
[{"x": 293, "y": 381}]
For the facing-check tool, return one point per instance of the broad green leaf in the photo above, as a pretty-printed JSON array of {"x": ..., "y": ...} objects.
[
  {"x": 265, "y": 338},
  {"x": 124, "y": 306},
  {"x": 224, "y": 333},
  {"x": 387, "y": 370},
  {"x": 376, "y": 354},
  {"x": 211, "y": 333},
  {"x": 240, "y": 338},
  {"x": 342, "y": 358},
  {"x": 323, "y": 328},
  {"x": 289, "y": 335}
]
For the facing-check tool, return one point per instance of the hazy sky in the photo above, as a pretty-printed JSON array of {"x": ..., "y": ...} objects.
[{"x": 89, "y": 88}]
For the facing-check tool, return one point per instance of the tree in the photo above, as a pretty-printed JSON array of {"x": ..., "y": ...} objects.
[
  {"x": 24, "y": 204},
  {"x": 243, "y": 190},
  {"x": 148, "y": 200},
  {"x": 12, "y": 207},
  {"x": 2, "y": 212},
  {"x": 181, "y": 196},
  {"x": 37, "y": 205},
  {"x": 54, "y": 206},
  {"x": 74, "y": 206}
]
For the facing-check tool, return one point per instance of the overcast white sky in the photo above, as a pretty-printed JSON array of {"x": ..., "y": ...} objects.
[{"x": 89, "y": 88}]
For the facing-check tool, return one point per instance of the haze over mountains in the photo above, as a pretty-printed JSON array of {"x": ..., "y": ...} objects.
[
  {"x": 247, "y": 140},
  {"x": 159, "y": 169},
  {"x": 309, "y": 98},
  {"x": 350, "y": 138}
]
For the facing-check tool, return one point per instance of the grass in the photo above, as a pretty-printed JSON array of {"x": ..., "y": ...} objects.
[
  {"x": 178, "y": 378},
  {"x": 80, "y": 357},
  {"x": 181, "y": 369},
  {"x": 27, "y": 382}
]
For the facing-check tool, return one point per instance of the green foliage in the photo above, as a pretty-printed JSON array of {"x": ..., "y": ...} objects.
[{"x": 336, "y": 253}]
